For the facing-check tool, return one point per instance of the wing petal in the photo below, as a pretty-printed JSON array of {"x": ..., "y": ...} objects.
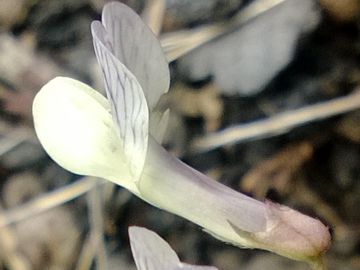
[
  {"x": 135, "y": 45},
  {"x": 128, "y": 103},
  {"x": 151, "y": 252}
]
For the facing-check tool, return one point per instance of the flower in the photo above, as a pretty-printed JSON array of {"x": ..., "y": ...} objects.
[
  {"x": 119, "y": 139},
  {"x": 151, "y": 252}
]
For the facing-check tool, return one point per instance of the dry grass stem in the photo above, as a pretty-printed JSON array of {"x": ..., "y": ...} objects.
[
  {"x": 278, "y": 124},
  {"x": 87, "y": 255},
  {"x": 95, "y": 204},
  {"x": 48, "y": 201},
  {"x": 8, "y": 248},
  {"x": 153, "y": 14},
  {"x": 14, "y": 138}
]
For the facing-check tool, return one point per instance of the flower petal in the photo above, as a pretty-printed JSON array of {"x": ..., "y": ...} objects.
[
  {"x": 135, "y": 45},
  {"x": 128, "y": 103},
  {"x": 151, "y": 252},
  {"x": 74, "y": 125}
]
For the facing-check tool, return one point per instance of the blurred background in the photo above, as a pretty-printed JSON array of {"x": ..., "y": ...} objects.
[{"x": 280, "y": 79}]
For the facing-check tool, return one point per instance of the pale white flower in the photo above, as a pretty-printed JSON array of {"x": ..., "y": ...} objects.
[{"x": 119, "y": 139}]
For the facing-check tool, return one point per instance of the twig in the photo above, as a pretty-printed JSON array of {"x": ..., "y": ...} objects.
[
  {"x": 97, "y": 230},
  {"x": 15, "y": 138},
  {"x": 178, "y": 43},
  {"x": 8, "y": 247},
  {"x": 86, "y": 256},
  {"x": 278, "y": 124},
  {"x": 153, "y": 14},
  {"x": 47, "y": 201}
]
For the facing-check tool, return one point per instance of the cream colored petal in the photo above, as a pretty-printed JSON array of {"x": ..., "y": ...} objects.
[
  {"x": 128, "y": 103},
  {"x": 74, "y": 125},
  {"x": 124, "y": 44},
  {"x": 136, "y": 46}
]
